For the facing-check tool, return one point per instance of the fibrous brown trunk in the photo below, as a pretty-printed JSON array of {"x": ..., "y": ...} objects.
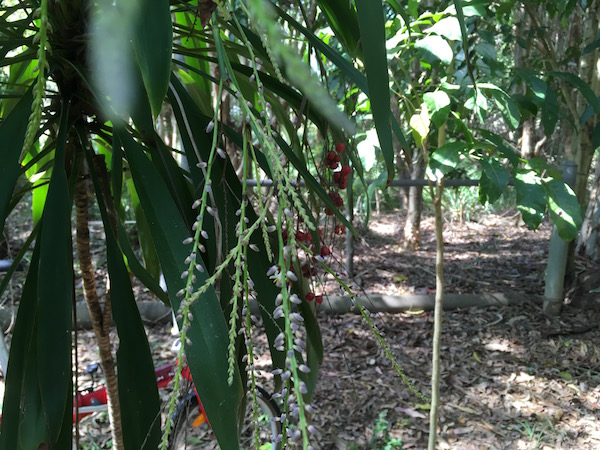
[{"x": 101, "y": 318}]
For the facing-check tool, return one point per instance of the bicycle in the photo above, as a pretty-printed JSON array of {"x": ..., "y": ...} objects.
[{"x": 191, "y": 428}]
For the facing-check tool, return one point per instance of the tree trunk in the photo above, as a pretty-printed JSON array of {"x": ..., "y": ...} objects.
[
  {"x": 588, "y": 243},
  {"x": 412, "y": 226},
  {"x": 101, "y": 319}
]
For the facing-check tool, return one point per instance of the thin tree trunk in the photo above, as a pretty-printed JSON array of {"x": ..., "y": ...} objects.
[
  {"x": 436, "y": 194},
  {"x": 588, "y": 243},
  {"x": 412, "y": 226},
  {"x": 101, "y": 319}
]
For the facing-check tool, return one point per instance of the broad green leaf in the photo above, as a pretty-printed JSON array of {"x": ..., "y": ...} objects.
[
  {"x": 342, "y": 18},
  {"x": 508, "y": 108},
  {"x": 486, "y": 51},
  {"x": 445, "y": 159},
  {"x": 550, "y": 111},
  {"x": 55, "y": 292},
  {"x": 531, "y": 197},
  {"x": 438, "y": 104},
  {"x": 494, "y": 179},
  {"x": 434, "y": 48},
  {"x": 420, "y": 124},
  {"x": 153, "y": 43},
  {"x": 500, "y": 145},
  {"x": 12, "y": 135},
  {"x": 372, "y": 34},
  {"x": 207, "y": 355},
  {"x": 581, "y": 85},
  {"x": 448, "y": 28},
  {"x": 564, "y": 208},
  {"x": 138, "y": 393}
]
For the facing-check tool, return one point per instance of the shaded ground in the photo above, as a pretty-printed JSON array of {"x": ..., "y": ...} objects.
[{"x": 511, "y": 378}]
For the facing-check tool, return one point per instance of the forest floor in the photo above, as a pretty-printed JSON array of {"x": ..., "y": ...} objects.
[{"x": 512, "y": 378}]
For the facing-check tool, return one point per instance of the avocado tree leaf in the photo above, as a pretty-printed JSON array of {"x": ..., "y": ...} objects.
[
  {"x": 445, "y": 159},
  {"x": 550, "y": 110},
  {"x": 494, "y": 179},
  {"x": 564, "y": 208},
  {"x": 438, "y": 105},
  {"x": 582, "y": 86},
  {"x": 435, "y": 48},
  {"x": 531, "y": 197}
]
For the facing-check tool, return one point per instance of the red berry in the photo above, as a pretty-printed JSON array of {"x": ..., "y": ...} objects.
[
  {"x": 342, "y": 186},
  {"x": 338, "y": 158},
  {"x": 325, "y": 251},
  {"x": 300, "y": 236},
  {"x": 330, "y": 156},
  {"x": 340, "y": 229},
  {"x": 340, "y": 147},
  {"x": 337, "y": 176},
  {"x": 333, "y": 165},
  {"x": 346, "y": 170},
  {"x": 310, "y": 297},
  {"x": 319, "y": 299}
]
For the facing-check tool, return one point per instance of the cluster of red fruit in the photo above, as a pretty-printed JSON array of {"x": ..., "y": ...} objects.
[
  {"x": 333, "y": 159},
  {"x": 311, "y": 296}
]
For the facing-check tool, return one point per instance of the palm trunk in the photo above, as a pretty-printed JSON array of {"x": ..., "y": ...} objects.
[{"x": 101, "y": 319}]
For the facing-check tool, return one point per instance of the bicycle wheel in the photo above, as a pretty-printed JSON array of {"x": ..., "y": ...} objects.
[{"x": 190, "y": 431}]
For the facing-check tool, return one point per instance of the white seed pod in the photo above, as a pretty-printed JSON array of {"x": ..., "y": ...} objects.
[
  {"x": 271, "y": 228},
  {"x": 180, "y": 292},
  {"x": 208, "y": 188},
  {"x": 184, "y": 274},
  {"x": 221, "y": 153},
  {"x": 201, "y": 248},
  {"x": 201, "y": 165},
  {"x": 287, "y": 212},
  {"x": 188, "y": 241},
  {"x": 304, "y": 368},
  {"x": 199, "y": 268},
  {"x": 254, "y": 247},
  {"x": 196, "y": 204},
  {"x": 211, "y": 211},
  {"x": 291, "y": 275},
  {"x": 210, "y": 126},
  {"x": 204, "y": 234},
  {"x": 295, "y": 299}
]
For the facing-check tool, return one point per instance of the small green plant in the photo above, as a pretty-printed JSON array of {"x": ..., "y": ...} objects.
[
  {"x": 381, "y": 435},
  {"x": 535, "y": 432}
]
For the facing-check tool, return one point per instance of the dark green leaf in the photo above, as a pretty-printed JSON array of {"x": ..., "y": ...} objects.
[
  {"x": 550, "y": 110},
  {"x": 153, "y": 43},
  {"x": 20, "y": 356},
  {"x": 531, "y": 197},
  {"x": 581, "y": 85},
  {"x": 343, "y": 21},
  {"x": 12, "y": 135},
  {"x": 494, "y": 179},
  {"x": 500, "y": 145},
  {"x": 434, "y": 48},
  {"x": 55, "y": 292},
  {"x": 564, "y": 208},
  {"x": 445, "y": 159},
  {"x": 138, "y": 393},
  {"x": 372, "y": 34},
  {"x": 207, "y": 357}
]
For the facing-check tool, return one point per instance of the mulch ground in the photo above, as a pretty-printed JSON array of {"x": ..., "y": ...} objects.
[{"x": 512, "y": 378}]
